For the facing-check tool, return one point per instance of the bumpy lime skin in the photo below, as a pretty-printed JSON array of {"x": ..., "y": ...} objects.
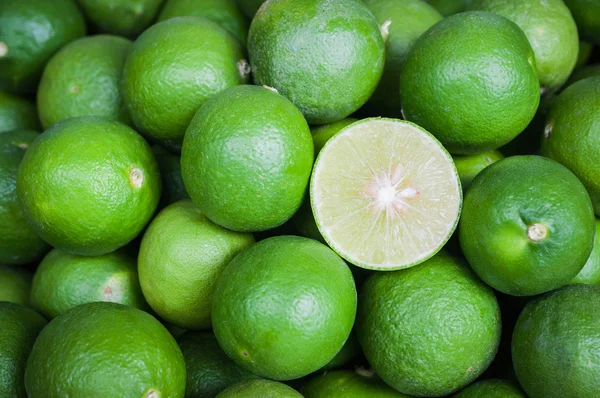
[
  {"x": 348, "y": 384},
  {"x": 555, "y": 344},
  {"x": 124, "y": 18},
  {"x": 508, "y": 198},
  {"x": 284, "y": 307},
  {"x": 259, "y": 389},
  {"x": 428, "y": 330},
  {"x": 570, "y": 136},
  {"x": 17, "y": 113},
  {"x": 587, "y": 16},
  {"x": 326, "y": 56},
  {"x": 491, "y": 388},
  {"x": 471, "y": 81},
  {"x": 247, "y": 158}
]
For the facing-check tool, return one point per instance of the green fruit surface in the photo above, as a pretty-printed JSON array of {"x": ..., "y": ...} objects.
[
  {"x": 349, "y": 384},
  {"x": 284, "y": 307},
  {"x": 259, "y": 389},
  {"x": 302, "y": 49},
  {"x": 471, "y": 81},
  {"x": 181, "y": 258},
  {"x": 31, "y": 31},
  {"x": 587, "y": 16},
  {"x": 491, "y": 388},
  {"x": 590, "y": 273},
  {"x": 15, "y": 284},
  {"x": 102, "y": 176},
  {"x": 169, "y": 165},
  {"x": 349, "y": 351},
  {"x": 417, "y": 327},
  {"x": 250, "y": 6},
  {"x": 585, "y": 52},
  {"x": 468, "y": 166},
  {"x": 584, "y": 73},
  {"x": 121, "y": 17},
  {"x": 555, "y": 344},
  {"x": 84, "y": 79},
  {"x": 17, "y": 113},
  {"x": 321, "y": 134},
  {"x": 501, "y": 210},
  {"x": 449, "y": 7},
  {"x": 246, "y": 159},
  {"x": 105, "y": 350}
]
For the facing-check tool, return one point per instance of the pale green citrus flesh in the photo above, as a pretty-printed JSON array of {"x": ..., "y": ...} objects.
[{"x": 385, "y": 194}]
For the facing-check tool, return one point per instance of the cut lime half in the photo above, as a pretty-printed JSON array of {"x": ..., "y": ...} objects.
[{"x": 385, "y": 194}]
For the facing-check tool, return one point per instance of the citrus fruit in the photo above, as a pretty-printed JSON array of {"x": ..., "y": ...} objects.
[
  {"x": 585, "y": 52},
  {"x": 570, "y": 133},
  {"x": 385, "y": 194},
  {"x": 101, "y": 175},
  {"x": 518, "y": 232},
  {"x": 471, "y": 81},
  {"x": 259, "y": 388},
  {"x": 169, "y": 165},
  {"x": 555, "y": 344},
  {"x": 17, "y": 113},
  {"x": 590, "y": 273},
  {"x": 19, "y": 243},
  {"x": 551, "y": 31},
  {"x": 173, "y": 68},
  {"x": 105, "y": 350},
  {"x": 181, "y": 258},
  {"x": 491, "y": 388},
  {"x": 246, "y": 159},
  {"x": 322, "y": 133},
  {"x": 468, "y": 166},
  {"x": 83, "y": 79},
  {"x": 349, "y": 384},
  {"x": 209, "y": 370},
  {"x": 587, "y": 16},
  {"x": 301, "y": 48},
  {"x": 418, "y": 327},
  {"x": 31, "y": 31},
  {"x": 250, "y": 6},
  {"x": 284, "y": 307},
  {"x": 15, "y": 284},
  {"x": 63, "y": 281},
  {"x": 449, "y": 7},
  {"x": 405, "y": 21},
  {"x": 124, "y": 18},
  {"x": 584, "y": 73},
  {"x": 19, "y": 327},
  {"x": 349, "y": 351},
  {"x": 226, "y": 13}
]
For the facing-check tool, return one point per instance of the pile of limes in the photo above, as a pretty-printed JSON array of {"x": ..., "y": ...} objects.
[{"x": 299, "y": 198}]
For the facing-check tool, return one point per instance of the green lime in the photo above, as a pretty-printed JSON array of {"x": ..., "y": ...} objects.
[
  {"x": 105, "y": 350},
  {"x": 590, "y": 272},
  {"x": 19, "y": 327},
  {"x": 226, "y": 13},
  {"x": 181, "y": 258},
  {"x": 449, "y": 7},
  {"x": 404, "y": 22},
  {"x": 121, "y": 17},
  {"x": 348, "y": 384},
  {"x": 469, "y": 166},
  {"x": 259, "y": 388},
  {"x": 584, "y": 73},
  {"x": 555, "y": 344},
  {"x": 428, "y": 330},
  {"x": 385, "y": 194},
  {"x": 209, "y": 370},
  {"x": 551, "y": 31},
  {"x": 173, "y": 68},
  {"x": 63, "y": 281},
  {"x": 169, "y": 165},
  {"x": 83, "y": 79},
  {"x": 587, "y": 16},
  {"x": 17, "y": 113},
  {"x": 471, "y": 81},
  {"x": 491, "y": 388},
  {"x": 284, "y": 307},
  {"x": 349, "y": 351},
  {"x": 519, "y": 232},
  {"x": 325, "y": 56},
  {"x": 15, "y": 284},
  {"x": 31, "y": 31},
  {"x": 102, "y": 176},
  {"x": 585, "y": 52},
  {"x": 19, "y": 243},
  {"x": 246, "y": 159},
  {"x": 321, "y": 134},
  {"x": 570, "y": 133},
  {"x": 250, "y": 6}
]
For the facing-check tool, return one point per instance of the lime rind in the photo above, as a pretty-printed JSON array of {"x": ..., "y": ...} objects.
[{"x": 385, "y": 194}]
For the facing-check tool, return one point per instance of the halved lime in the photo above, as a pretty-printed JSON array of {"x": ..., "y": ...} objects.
[{"x": 385, "y": 194}]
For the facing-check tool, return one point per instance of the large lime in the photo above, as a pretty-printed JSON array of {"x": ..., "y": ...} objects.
[
  {"x": 259, "y": 389},
  {"x": 17, "y": 113},
  {"x": 491, "y": 388},
  {"x": 121, "y": 17},
  {"x": 15, "y": 284},
  {"x": 348, "y": 384}
]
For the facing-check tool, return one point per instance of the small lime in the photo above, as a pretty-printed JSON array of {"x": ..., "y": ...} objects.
[
  {"x": 348, "y": 384},
  {"x": 121, "y": 17},
  {"x": 491, "y": 388},
  {"x": 15, "y": 284},
  {"x": 17, "y": 113},
  {"x": 590, "y": 273},
  {"x": 259, "y": 389},
  {"x": 468, "y": 166}
]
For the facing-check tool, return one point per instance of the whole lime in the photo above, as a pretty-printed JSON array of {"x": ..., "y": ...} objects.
[
  {"x": 428, "y": 330},
  {"x": 349, "y": 384},
  {"x": 587, "y": 16},
  {"x": 19, "y": 327},
  {"x": 88, "y": 185},
  {"x": 325, "y": 56},
  {"x": 555, "y": 344},
  {"x": 17, "y": 113},
  {"x": 15, "y": 284},
  {"x": 84, "y": 79},
  {"x": 471, "y": 81},
  {"x": 469, "y": 166},
  {"x": 105, "y": 350},
  {"x": 169, "y": 164},
  {"x": 284, "y": 307},
  {"x": 590, "y": 273},
  {"x": 181, "y": 258},
  {"x": 259, "y": 388},
  {"x": 570, "y": 135},
  {"x": 19, "y": 244},
  {"x": 246, "y": 159},
  {"x": 173, "y": 68},
  {"x": 31, "y": 31},
  {"x": 491, "y": 388},
  {"x": 518, "y": 232}
]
